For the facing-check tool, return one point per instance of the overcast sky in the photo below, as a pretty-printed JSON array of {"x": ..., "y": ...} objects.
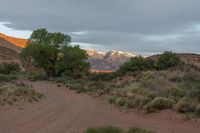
[{"x": 127, "y": 25}]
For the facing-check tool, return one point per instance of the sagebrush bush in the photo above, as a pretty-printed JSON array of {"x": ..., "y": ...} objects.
[
  {"x": 111, "y": 129},
  {"x": 139, "y": 130},
  {"x": 6, "y": 68},
  {"x": 121, "y": 101},
  {"x": 34, "y": 76},
  {"x": 6, "y": 78},
  {"x": 158, "y": 103},
  {"x": 112, "y": 99},
  {"x": 183, "y": 105},
  {"x": 130, "y": 103},
  {"x": 176, "y": 92},
  {"x": 108, "y": 129},
  {"x": 143, "y": 101},
  {"x": 10, "y": 93},
  {"x": 101, "y": 76},
  {"x": 198, "y": 109}
]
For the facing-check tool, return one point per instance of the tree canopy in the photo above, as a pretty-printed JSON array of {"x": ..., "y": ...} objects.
[
  {"x": 164, "y": 61},
  {"x": 53, "y": 53},
  {"x": 135, "y": 64},
  {"x": 168, "y": 59}
]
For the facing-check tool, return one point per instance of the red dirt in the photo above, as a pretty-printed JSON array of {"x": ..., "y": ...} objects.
[{"x": 64, "y": 111}]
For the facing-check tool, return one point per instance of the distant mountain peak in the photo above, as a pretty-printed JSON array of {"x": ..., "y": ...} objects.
[
  {"x": 110, "y": 60},
  {"x": 119, "y": 53},
  {"x": 95, "y": 54}
]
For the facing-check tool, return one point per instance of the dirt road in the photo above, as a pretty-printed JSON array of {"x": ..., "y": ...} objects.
[{"x": 64, "y": 111}]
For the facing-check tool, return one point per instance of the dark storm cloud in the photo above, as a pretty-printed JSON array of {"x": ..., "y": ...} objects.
[{"x": 132, "y": 25}]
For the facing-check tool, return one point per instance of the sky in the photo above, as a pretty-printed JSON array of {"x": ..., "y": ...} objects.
[{"x": 144, "y": 26}]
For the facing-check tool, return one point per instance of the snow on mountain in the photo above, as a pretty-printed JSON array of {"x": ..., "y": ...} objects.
[{"x": 110, "y": 60}]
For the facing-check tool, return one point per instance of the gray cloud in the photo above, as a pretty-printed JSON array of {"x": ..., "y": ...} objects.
[{"x": 131, "y": 25}]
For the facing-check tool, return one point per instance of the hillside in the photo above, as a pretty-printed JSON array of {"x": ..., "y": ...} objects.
[
  {"x": 6, "y": 44},
  {"x": 8, "y": 51},
  {"x": 17, "y": 41}
]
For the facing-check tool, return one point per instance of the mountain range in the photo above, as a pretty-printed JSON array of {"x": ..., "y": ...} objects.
[
  {"x": 110, "y": 60},
  {"x": 10, "y": 47}
]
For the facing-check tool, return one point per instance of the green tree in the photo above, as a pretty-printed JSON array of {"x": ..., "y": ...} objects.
[
  {"x": 168, "y": 59},
  {"x": 135, "y": 64},
  {"x": 53, "y": 53}
]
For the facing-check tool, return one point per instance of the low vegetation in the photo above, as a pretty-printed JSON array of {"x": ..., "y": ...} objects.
[
  {"x": 158, "y": 90},
  {"x": 146, "y": 85},
  {"x": 111, "y": 129},
  {"x": 12, "y": 91},
  {"x": 7, "y": 68},
  {"x": 34, "y": 76},
  {"x": 165, "y": 61}
]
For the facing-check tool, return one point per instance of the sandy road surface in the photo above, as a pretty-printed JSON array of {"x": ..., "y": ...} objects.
[{"x": 64, "y": 111}]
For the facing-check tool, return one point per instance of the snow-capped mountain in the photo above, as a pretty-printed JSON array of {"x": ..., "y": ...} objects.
[
  {"x": 110, "y": 60},
  {"x": 95, "y": 54}
]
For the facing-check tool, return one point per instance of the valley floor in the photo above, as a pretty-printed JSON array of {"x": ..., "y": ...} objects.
[{"x": 64, "y": 111}]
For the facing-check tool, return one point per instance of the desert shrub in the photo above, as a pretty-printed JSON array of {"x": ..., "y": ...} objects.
[
  {"x": 139, "y": 130},
  {"x": 2, "y": 90},
  {"x": 130, "y": 103},
  {"x": 121, "y": 101},
  {"x": 191, "y": 84},
  {"x": 13, "y": 92},
  {"x": 112, "y": 99},
  {"x": 176, "y": 92},
  {"x": 155, "y": 86},
  {"x": 135, "y": 64},
  {"x": 27, "y": 92},
  {"x": 101, "y": 76},
  {"x": 143, "y": 101},
  {"x": 6, "y": 68},
  {"x": 192, "y": 76},
  {"x": 75, "y": 85},
  {"x": 6, "y": 78},
  {"x": 97, "y": 85},
  {"x": 3, "y": 78},
  {"x": 176, "y": 79},
  {"x": 183, "y": 105},
  {"x": 198, "y": 109},
  {"x": 33, "y": 76},
  {"x": 158, "y": 103},
  {"x": 111, "y": 129},
  {"x": 167, "y": 60},
  {"x": 108, "y": 129}
]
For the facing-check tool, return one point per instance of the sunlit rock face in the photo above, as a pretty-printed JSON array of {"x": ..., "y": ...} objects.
[{"x": 17, "y": 41}]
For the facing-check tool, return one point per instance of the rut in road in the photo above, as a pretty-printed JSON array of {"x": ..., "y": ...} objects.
[{"x": 64, "y": 111}]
